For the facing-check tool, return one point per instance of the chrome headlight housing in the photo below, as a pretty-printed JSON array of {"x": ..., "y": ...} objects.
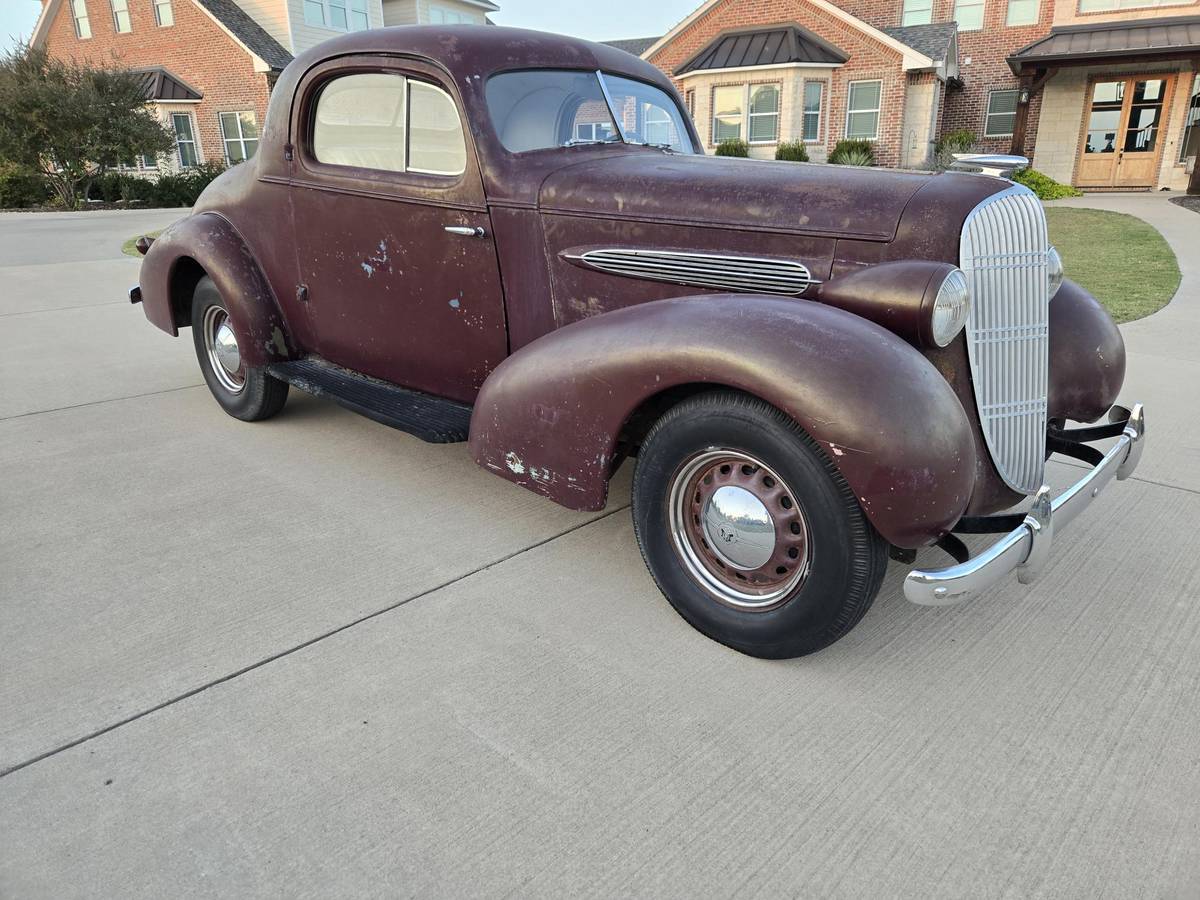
[
  {"x": 950, "y": 308},
  {"x": 1054, "y": 271}
]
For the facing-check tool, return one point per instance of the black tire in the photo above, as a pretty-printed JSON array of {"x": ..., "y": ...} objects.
[
  {"x": 844, "y": 558},
  {"x": 260, "y": 395}
]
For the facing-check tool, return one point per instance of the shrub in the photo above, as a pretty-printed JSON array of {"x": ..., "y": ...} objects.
[
  {"x": 853, "y": 153},
  {"x": 21, "y": 187},
  {"x": 1044, "y": 186},
  {"x": 733, "y": 147},
  {"x": 792, "y": 151},
  {"x": 960, "y": 141},
  {"x": 171, "y": 189}
]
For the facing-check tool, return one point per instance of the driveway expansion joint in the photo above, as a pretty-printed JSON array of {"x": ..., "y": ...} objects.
[{"x": 303, "y": 644}]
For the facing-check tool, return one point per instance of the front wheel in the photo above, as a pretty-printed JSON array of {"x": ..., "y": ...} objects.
[
  {"x": 750, "y": 531},
  {"x": 244, "y": 392}
]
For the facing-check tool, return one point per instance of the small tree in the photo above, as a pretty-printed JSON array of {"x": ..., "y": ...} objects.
[{"x": 72, "y": 123}]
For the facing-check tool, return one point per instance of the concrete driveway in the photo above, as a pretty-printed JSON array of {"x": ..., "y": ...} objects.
[{"x": 314, "y": 657}]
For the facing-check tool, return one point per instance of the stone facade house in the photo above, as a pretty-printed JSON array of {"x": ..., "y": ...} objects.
[
  {"x": 903, "y": 73},
  {"x": 209, "y": 65}
]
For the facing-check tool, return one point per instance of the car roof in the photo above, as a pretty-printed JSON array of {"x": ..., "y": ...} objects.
[{"x": 466, "y": 51}]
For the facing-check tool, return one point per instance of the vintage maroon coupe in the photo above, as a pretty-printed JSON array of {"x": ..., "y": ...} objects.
[{"x": 514, "y": 239}]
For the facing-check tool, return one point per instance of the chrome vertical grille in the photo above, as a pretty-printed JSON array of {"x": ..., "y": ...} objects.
[{"x": 1003, "y": 253}]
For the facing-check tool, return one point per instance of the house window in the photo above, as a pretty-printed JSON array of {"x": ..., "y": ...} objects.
[
  {"x": 1001, "y": 114},
  {"x": 389, "y": 123},
  {"x": 1023, "y": 12},
  {"x": 440, "y": 15},
  {"x": 120, "y": 9},
  {"x": 812, "y": 110},
  {"x": 689, "y": 103},
  {"x": 657, "y": 125},
  {"x": 1190, "y": 145},
  {"x": 163, "y": 13},
  {"x": 83, "y": 28},
  {"x": 753, "y": 108},
  {"x": 727, "y": 113},
  {"x": 968, "y": 14},
  {"x": 862, "y": 110},
  {"x": 764, "y": 113},
  {"x": 239, "y": 131},
  {"x": 340, "y": 15},
  {"x": 593, "y": 131},
  {"x": 185, "y": 140},
  {"x": 917, "y": 12}
]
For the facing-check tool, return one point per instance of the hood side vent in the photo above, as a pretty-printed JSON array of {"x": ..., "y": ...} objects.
[{"x": 729, "y": 273}]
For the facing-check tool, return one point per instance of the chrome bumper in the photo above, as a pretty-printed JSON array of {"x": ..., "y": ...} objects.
[{"x": 1027, "y": 547}]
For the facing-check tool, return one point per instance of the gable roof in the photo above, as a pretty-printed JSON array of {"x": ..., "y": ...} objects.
[
  {"x": 246, "y": 31},
  {"x": 636, "y": 46},
  {"x": 912, "y": 59},
  {"x": 935, "y": 41},
  {"x": 226, "y": 13},
  {"x": 161, "y": 85},
  {"x": 774, "y": 46},
  {"x": 1140, "y": 37}
]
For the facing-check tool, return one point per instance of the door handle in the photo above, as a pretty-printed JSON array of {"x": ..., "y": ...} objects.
[{"x": 466, "y": 230}]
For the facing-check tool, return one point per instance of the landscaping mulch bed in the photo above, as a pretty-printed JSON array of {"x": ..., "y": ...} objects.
[{"x": 1192, "y": 203}]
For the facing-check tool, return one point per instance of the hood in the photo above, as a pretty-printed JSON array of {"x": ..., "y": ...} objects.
[{"x": 782, "y": 197}]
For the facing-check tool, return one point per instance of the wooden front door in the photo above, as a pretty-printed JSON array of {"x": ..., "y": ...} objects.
[{"x": 1122, "y": 131}]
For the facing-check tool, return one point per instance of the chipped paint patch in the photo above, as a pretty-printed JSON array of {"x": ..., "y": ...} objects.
[
  {"x": 279, "y": 342},
  {"x": 455, "y": 302},
  {"x": 514, "y": 463}
]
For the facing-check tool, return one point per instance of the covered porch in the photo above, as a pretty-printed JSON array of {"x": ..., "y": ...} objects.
[{"x": 1120, "y": 103}]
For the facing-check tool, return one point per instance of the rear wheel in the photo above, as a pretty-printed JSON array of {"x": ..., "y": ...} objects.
[
  {"x": 244, "y": 392},
  {"x": 750, "y": 531}
]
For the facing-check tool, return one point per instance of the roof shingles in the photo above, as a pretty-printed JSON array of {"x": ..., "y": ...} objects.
[{"x": 249, "y": 32}]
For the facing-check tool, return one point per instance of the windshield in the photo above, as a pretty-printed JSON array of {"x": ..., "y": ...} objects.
[{"x": 542, "y": 108}]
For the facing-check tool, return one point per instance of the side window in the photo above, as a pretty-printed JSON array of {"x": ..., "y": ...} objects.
[
  {"x": 435, "y": 137},
  {"x": 388, "y": 123}
]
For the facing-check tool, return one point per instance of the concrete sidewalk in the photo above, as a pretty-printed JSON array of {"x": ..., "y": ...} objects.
[{"x": 315, "y": 657}]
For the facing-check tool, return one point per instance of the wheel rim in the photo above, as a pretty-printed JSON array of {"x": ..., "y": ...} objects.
[
  {"x": 224, "y": 357},
  {"x": 738, "y": 529}
]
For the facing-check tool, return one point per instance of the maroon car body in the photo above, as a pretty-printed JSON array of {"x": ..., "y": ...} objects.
[{"x": 529, "y": 317}]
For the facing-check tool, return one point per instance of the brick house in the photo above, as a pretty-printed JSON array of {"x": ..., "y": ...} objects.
[
  {"x": 901, "y": 73},
  {"x": 209, "y": 65}
]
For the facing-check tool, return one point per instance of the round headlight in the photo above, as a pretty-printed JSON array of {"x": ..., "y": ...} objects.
[
  {"x": 950, "y": 308},
  {"x": 1054, "y": 270}
]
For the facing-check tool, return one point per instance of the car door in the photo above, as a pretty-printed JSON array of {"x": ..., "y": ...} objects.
[{"x": 396, "y": 259}]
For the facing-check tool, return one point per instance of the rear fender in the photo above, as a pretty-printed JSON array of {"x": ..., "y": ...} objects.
[
  {"x": 208, "y": 242},
  {"x": 549, "y": 417}
]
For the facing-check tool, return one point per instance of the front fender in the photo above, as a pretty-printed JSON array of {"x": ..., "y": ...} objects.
[
  {"x": 1087, "y": 356},
  {"x": 548, "y": 418},
  {"x": 209, "y": 241}
]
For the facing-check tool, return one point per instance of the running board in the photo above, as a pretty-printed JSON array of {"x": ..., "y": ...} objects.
[{"x": 432, "y": 419}]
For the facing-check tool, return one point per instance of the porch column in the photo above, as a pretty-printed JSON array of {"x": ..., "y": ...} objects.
[{"x": 1029, "y": 84}]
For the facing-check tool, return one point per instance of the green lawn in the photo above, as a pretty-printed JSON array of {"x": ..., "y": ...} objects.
[
  {"x": 1124, "y": 262},
  {"x": 128, "y": 247}
]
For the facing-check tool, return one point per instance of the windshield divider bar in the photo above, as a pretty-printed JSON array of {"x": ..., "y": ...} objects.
[{"x": 612, "y": 110}]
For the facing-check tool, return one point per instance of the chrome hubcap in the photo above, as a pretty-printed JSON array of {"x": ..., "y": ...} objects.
[
  {"x": 224, "y": 357},
  {"x": 738, "y": 527},
  {"x": 738, "y": 530}
]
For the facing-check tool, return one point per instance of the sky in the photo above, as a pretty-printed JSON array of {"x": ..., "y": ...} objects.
[{"x": 604, "y": 21}]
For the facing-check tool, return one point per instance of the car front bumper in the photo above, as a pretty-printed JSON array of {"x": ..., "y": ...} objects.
[{"x": 1026, "y": 548}]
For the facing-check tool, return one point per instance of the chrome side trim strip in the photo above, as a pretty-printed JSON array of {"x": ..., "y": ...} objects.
[
  {"x": 1026, "y": 548},
  {"x": 734, "y": 273}
]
